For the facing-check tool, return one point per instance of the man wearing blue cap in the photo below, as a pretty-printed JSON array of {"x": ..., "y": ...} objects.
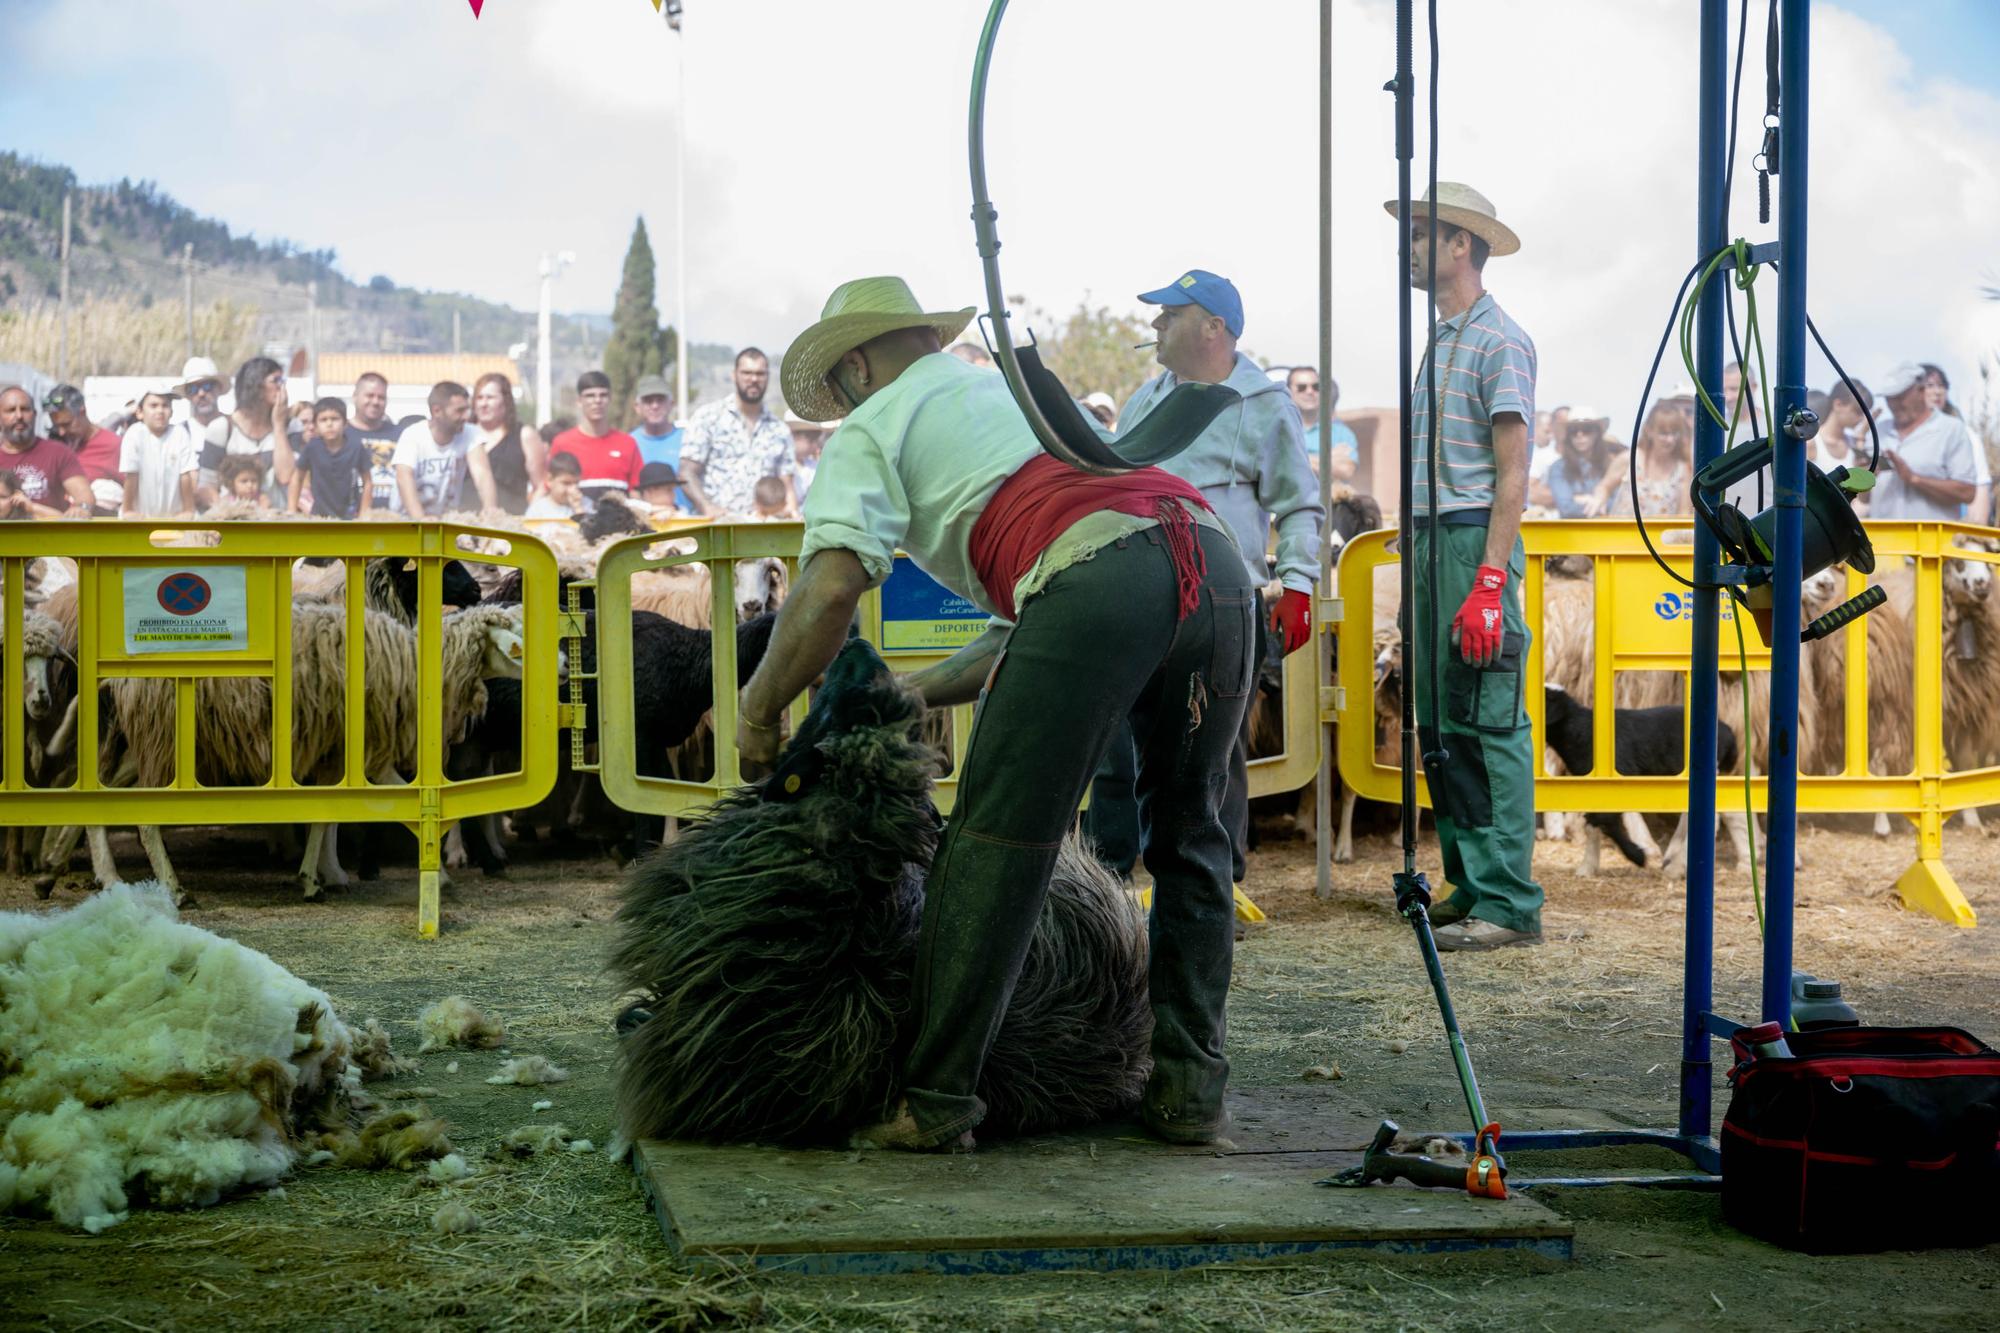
[{"x": 1251, "y": 467}]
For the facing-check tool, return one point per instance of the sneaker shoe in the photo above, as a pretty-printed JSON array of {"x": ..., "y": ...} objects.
[{"x": 1473, "y": 935}]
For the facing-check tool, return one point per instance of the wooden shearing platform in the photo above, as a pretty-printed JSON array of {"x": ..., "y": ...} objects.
[{"x": 1105, "y": 1198}]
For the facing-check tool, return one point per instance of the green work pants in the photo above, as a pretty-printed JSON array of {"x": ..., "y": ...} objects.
[
  {"x": 1483, "y": 790},
  {"x": 1100, "y": 644}
]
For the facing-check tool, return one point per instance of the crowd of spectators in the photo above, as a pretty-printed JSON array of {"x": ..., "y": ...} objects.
[
  {"x": 176, "y": 453},
  {"x": 345, "y": 458}
]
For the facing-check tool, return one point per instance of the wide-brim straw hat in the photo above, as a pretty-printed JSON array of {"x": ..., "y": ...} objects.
[
  {"x": 857, "y": 311},
  {"x": 1464, "y": 207},
  {"x": 197, "y": 369}
]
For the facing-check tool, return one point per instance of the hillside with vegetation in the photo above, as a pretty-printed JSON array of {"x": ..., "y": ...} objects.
[{"x": 129, "y": 242}]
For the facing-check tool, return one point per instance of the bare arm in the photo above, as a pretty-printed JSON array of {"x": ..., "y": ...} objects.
[
  {"x": 80, "y": 499},
  {"x": 1510, "y": 487},
  {"x": 811, "y": 628},
  {"x": 1942, "y": 489},
  {"x": 691, "y": 483},
  {"x": 187, "y": 492},
  {"x": 406, "y": 484},
  {"x": 959, "y": 678},
  {"x": 292, "y": 489},
  {"x": 284, "y": 465},
  {"x": 481, "y": 468},
  {"x": 535, "y": 455}
]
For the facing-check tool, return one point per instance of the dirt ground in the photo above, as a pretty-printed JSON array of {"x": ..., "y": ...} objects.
[{"x": 1581, "y": 1031}]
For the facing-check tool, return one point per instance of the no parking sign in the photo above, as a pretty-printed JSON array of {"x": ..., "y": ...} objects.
[{"x": 186, "y": 609}]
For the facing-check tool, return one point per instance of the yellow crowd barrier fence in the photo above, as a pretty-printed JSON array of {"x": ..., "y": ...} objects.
[
  {"x": 187, "y": 601},
  {"x": 1642, "y": 621}
]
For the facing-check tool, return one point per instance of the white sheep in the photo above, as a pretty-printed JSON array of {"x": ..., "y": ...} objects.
[
  {"x": 233, "y": 716},
  {"x": 1971, "y": 669},
  {"x": 1890, "y": 690},
  {"x": 48, "y": 697}
]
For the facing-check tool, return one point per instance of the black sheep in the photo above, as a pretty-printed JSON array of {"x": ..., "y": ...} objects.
[
  {"x": 672, "y": 667},
  {"x": 1647, "y": 742},
  {"x": 772, "y": 945}
]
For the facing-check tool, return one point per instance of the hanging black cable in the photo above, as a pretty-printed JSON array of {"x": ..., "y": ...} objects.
[
  {"x": 1433, "y": 417},
  {"x": 1401, "y": 86}
]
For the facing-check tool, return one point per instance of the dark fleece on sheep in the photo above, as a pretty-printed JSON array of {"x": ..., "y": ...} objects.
[{"x": 774, "y": 941}]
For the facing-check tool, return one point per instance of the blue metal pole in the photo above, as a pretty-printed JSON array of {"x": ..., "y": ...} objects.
[
  {"x": 1698, "y": 951},
  {"x": 1790, "y": 485}
]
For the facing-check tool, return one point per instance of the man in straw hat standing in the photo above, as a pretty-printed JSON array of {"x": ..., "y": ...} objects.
[
  {"x": 1484, "y": 368},
  {"x": 1111, "y": 595}
]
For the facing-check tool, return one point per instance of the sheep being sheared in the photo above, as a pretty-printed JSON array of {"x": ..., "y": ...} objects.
[
  {"x": 149, "y": 1061},
  {"x": 773, "y": 944}
]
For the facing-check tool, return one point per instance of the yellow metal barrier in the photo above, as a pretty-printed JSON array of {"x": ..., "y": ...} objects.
[
  {"x": 1642, "y": 622},
  {"x": 148, "y": 606},
  {"x": 719, "y": 546}
]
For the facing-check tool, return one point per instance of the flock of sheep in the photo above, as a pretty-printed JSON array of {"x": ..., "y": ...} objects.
[
  {"x": 482, "y": 669},
  {"x": 1652, "y": 742}
]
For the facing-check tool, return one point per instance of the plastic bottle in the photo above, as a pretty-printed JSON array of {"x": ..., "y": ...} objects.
[
  {"x": 1767, "y": 1041},
  {"x": 1817, "y": 1003}
]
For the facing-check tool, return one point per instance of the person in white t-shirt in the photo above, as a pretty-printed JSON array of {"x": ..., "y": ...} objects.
[
  {"x": 158, "y": 461},
  {"x": 430, "y": 457}
]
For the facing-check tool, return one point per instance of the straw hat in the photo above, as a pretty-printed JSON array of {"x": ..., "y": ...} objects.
[
  {"x": 1462, "y": 206},
  {"x": 196, "y": 369},
  {"x": 857, "y": 311}
]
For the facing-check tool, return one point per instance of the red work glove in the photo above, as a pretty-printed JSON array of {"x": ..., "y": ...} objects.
[
  {"x": 1293, "y": 618},
  {"x": 1479, "y": 622}
]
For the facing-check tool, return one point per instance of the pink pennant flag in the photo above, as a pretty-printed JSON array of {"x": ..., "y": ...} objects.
[{"x": 477, "y": 5}]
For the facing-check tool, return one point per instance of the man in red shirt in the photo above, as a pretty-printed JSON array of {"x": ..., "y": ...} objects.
[
  {"x": 45, "y": 472},
  {"x": 97, "y": 449},
  {"x": 610, "y": 458}
]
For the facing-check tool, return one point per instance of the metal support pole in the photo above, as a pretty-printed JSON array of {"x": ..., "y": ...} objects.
[
  {"x": 312, "y": 337},
  {"x": 680, "y": 229},
  {"x": 1322, "y": 640},
  {"x": 1698, "y": 949},
  {"x": 187, "y": 291},
  {"x": 62, "y": 300},
  {"x": 1782, "y": 764},
  {"x": 545, "y": 405}
]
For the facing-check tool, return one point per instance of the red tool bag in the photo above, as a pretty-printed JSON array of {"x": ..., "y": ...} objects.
[{"x": 1867, "y": 1139}]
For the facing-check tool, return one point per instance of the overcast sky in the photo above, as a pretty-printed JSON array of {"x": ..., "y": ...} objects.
[{"x": 1128, "y": 141}]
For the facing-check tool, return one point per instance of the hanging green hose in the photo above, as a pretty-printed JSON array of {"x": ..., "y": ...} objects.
[{"x": 1737, "y": 255}]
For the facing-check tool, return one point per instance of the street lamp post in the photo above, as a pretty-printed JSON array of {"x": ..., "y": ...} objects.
[
  {"x": 671, "y": 10},
  {"x": 552, "y": 267}
]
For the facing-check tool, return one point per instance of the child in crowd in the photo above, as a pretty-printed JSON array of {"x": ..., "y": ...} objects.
[
  {"x": 659, "y": 487},
  {"x": 158, "y": 460},
  {"x": 772, "y": 499},
  {"x": 341, "y": 470},
  {"x": 241, "y": 477},
  {"x": 564, "y": 497},
  {"x": 13, "y": 504}
]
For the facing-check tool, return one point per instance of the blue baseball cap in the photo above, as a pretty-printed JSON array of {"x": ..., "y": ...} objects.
[{"x": 1197, "y": 286}]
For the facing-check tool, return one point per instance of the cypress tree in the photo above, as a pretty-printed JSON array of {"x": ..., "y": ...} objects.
[{"x": 637, "y": 347}]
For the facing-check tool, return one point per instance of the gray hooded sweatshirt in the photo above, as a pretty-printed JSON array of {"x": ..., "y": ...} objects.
[{"x": 1250, "y": 465}]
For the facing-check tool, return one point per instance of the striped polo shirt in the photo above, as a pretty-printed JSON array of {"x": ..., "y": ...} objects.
[{"x": 1486, "y": 365}]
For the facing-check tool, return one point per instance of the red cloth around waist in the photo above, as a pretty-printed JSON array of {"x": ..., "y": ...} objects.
[{"x": 1041, "y": 500}]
